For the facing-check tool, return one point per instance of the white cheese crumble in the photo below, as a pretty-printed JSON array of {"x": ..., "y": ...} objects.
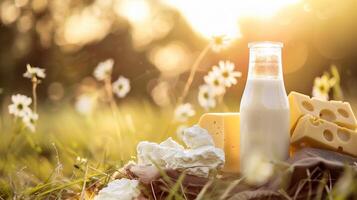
[
  {"x": 198, "y": 159},
  {"x": 196, "y": 136},
  {"x": 121, "y": 189},
  {"x": 149, "y": 152},
  {"x": 169, "y": 142}
]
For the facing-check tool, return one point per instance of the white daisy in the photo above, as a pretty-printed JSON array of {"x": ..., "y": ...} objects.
[
  {"x": 219, "y": 43},
  {"x": 85, "y": 104},
  {"x": 179, "y": 131},
  {"x": 121, "y": 86},
  {"x": 206, "y": 97},
  {"x": 319, "y": 95},
  {"x": 216, "y": 82},
  {"x": 226, "y": 70},
  {"x": 20, "y": 105},
  {"x": 30, "y": 120},
  {"x": 322, "y": 86},
  {"x": 81, "y": 160},
  {"x": 183, "y": 112},
  {"x": 104, "y": 69},
  {"x": 34, "y": 72}
]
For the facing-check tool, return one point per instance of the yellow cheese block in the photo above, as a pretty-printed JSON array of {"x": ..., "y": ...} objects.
[
  {"x": 224, "y": 128},
  {"x": 319, "y": 133},
  {"x": 334, "y": 111}
]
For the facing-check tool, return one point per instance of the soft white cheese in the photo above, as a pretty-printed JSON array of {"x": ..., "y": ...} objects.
[
  {"x": 198, "y": 171},
  {"x": 169, "y": 142},
  {"x": 121, "y": 189},
  {"x": 198, "y": 159},
  {"x": 149, "y": 152},
  {"x": 196, "y": 136}
]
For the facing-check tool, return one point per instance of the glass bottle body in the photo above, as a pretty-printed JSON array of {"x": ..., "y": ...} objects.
[{"x": 264, "y": 110}]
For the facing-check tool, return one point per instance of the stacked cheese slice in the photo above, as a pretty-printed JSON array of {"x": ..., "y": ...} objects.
[
  {"x": 224, "y": 129},
  {"x": 322, "y": 124}
]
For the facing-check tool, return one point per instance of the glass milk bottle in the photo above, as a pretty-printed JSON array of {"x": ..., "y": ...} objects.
[{"x": 264, "y": 109}]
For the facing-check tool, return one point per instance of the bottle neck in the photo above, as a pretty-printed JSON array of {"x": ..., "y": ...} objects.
[{"x": 265, "y": 63}]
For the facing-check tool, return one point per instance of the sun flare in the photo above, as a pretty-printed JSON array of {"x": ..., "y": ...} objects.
[{"x": 221, "y": 17}]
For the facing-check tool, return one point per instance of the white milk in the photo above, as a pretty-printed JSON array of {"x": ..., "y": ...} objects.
[{"x": 264, "y": 109}]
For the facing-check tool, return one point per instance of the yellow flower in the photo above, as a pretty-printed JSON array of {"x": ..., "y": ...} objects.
[{"x": 322, "y": 86}]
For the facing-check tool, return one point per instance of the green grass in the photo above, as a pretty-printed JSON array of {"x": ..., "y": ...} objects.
[{"x": 43, "y": 165}]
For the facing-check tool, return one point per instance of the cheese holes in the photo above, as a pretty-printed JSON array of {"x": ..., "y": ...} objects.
[
  {"x": 308, "y": 106},
  {"x": 328, "y": 135},
  {"x": 343, "y": 135},
  {"x": 340, "y": 149},
  {"x": 343, "y": 112},
  {"x": 315, "y": 121},
  {"x": 327, "y": 115}
]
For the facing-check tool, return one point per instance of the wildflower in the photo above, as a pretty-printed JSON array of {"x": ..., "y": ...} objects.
[
  {"x": 121, "y": 86},
  {"x": 322, "y": 86},
  {"x": 183, "y": 112},
  {"x": 319, "y": 94},
  {"x": 219, "y": 43},
  {"x": 179, "y": 131},
  {"x": 121, "y": 189},
  {"x": 226, "y": 71},
  {"x": 85, "y": 104},
  {"x": 104, "y": 70},
  {"x": 81, "y": 160},
  {"x": 34, "y": 72},
  {"x": 215, "y": 80},
  {"x": 20, "y": 105},
  {"x": 206, "y": 97},
  {"x": 30, "y": 120}
]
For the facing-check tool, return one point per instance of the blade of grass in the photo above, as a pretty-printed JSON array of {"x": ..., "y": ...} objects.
[
  {"x": 204, "y": 190},
  {"x": 230, "y": 188},
  {"x": 174, "y": 189},
  {"x": 321, "y": 186},
  {"x": 286, "y": 195},
  {"x": 84, "y": 183}
]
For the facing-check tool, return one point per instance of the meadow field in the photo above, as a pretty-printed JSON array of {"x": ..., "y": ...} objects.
[{"x": 83, "y": 82}]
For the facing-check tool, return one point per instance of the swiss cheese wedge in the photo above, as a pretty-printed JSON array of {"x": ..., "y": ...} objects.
[{"x": 334, "y": 111}]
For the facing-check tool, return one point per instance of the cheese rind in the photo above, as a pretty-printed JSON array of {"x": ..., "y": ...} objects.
[
  {"x": 334, "y": 111},
  {"x": 320, "y": 133},
  {"x": 224, "y": 129}
]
